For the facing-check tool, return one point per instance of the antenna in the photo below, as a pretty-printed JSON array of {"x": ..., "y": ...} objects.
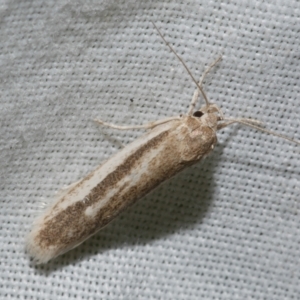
[
  {"x": 226, "y": 122},
  {"x": 183, "y": 63}
]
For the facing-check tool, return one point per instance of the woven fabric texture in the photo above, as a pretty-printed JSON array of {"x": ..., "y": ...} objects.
[{"x": 227, "y": 228}]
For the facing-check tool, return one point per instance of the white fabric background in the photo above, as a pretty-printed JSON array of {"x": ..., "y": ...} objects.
[{"x": 228, "y": 228}]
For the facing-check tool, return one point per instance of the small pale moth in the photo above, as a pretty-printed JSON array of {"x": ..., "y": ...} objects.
[{"x": 169, "y": 146}]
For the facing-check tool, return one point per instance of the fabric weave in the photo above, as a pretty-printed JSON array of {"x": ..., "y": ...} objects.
[{"x": 228, "y": 228}]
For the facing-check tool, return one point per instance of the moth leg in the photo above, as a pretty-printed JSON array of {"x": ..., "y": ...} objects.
[
  {"x": 256, "y": 125},
  {"x": 250, "y": 122},
  {"x": 197, "y": 92},
  {"x": 149, "y": 125}
]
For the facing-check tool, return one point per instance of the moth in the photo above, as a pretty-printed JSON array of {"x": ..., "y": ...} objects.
[{"x": 169, "y": 146}]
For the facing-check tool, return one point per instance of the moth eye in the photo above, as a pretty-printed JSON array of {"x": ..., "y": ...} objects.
[{"x": 198, "y": 114}]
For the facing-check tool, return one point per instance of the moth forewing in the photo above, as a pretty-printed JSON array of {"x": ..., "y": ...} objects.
[{"x": 119, "y": 182}]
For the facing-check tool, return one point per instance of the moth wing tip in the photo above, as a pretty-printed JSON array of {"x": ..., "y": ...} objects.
[{"x": 33, "y": 248}]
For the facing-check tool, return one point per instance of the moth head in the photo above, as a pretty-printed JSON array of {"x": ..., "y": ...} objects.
[{"x": 211, "y": 108}]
